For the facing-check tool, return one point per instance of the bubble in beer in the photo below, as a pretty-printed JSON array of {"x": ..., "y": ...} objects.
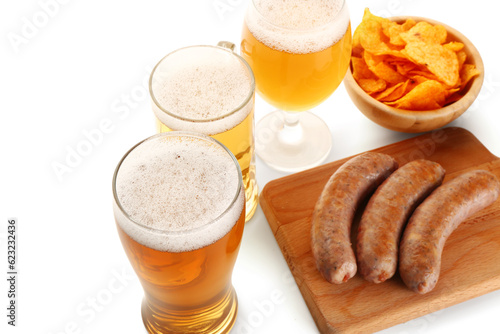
[
  {"x": 199, "y": 84},
  {"x": 298, "y": 26},
  {"x": 179, "y": 185}
]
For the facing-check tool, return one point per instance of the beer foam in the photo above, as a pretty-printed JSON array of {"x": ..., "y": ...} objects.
[
  {"x": 175, "y": 190},
  {"x": 298, "y": 26},
  {"x": 200, "y": 84}
]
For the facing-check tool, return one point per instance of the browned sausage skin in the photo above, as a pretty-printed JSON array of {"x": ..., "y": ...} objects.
[
  {"x": 435, "y": 219},
  {"x": 334, "y": 213},
  {"x": 386, "y": 214}
]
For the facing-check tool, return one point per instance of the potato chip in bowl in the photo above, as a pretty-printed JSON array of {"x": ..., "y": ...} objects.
[
  {"x": 409, "y": 65},
  {"x": 412, "y": 74}
]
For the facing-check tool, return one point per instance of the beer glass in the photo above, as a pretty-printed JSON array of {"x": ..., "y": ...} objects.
[
  {"x": 179, "y": 206},
  {"x": 299, "y": 52},
  {"x": 210, "y": 90}
]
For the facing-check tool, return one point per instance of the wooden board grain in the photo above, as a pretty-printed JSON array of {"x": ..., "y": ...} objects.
[{"x": 471, "y": 257}]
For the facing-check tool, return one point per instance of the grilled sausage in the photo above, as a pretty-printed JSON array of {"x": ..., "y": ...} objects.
[
  {"x": 386, "y": 214},
  {"x": 334, "y": 212},
  {"x": 435, "y": 219}
]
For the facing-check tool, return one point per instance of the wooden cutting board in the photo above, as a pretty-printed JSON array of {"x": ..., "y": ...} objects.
[{"x": 471, "y": 257}]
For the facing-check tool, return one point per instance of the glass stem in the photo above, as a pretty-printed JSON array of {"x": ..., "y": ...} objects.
[{"x": 292, "y": 132}]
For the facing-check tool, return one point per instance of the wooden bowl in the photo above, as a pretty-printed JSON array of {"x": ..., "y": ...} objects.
[{"x": 419, "y": 121}]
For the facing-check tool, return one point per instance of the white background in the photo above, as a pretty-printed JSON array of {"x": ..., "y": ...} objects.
[{"x": 83, "y": 67}]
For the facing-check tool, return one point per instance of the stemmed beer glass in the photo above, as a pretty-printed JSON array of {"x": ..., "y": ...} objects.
[{"x": 299, "y": 52}]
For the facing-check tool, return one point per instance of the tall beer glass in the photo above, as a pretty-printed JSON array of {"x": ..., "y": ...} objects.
[
  {"x": 299, "y": 52},
  {"x": 179, "y": 205},
  {"x": 210, "y": 90}
]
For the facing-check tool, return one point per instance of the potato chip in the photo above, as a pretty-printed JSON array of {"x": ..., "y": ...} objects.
[
  {"x": 392, "y": 93},
  {"x": 370, "y": 37},
  {"x": 423, "y": 75},
  {"x": 454, "y": 46},
  {"x": 439, "y": 60},
  {"x": 410, "y": 65},
  {"x": 405, "y": 68},
  {"x": 468, "y": 72},
  {"x": 462, "y": 57},
  {"x": 393, "y": 31},
  {"x": 428, "y": 95},
  {"x": 371, "y": 40},
  {"x": 421, "y": 78},
  {"x": 372, "y": 85},
  {"x": 381, "y": 69},
  {"x": 360, "y": 70},
  {"x": 386, "y": 72},
  {"x": 408, "y": 24},
  {"x": 361, "y": 30},
  {"x": 368, "y": 16},
  {"x": 425, "y": 32}
]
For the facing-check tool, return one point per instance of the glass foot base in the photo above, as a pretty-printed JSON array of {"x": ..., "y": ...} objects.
[
  {"x": 216, "y": 319},
  {"x": 292, "y": 142}
]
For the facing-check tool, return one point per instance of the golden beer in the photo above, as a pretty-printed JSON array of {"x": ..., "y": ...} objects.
[
  {"x": 179, "y": 206},
  {"x": 210, "y": 90},
  {"x": 299, "y": 56},
  {"x": 306, "y": 80}
]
